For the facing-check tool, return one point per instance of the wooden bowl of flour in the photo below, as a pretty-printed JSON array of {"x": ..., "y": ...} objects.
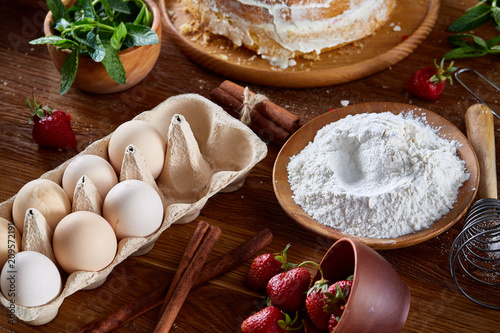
[{"x": 306, "y": 134}]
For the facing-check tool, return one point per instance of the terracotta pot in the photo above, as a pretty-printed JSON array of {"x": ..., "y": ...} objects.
[
  {"x": 379, "y": 301},
  {"x": 92, "y": 76}
]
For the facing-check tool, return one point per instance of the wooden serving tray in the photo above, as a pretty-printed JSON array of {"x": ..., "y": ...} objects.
[{"x": 370, "y": 55}]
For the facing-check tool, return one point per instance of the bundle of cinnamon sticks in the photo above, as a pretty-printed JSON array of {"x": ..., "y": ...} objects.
[{"x": 268, "y": 120}]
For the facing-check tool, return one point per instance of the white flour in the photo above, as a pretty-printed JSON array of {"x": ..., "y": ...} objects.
[{"x": 377, "y": 175}]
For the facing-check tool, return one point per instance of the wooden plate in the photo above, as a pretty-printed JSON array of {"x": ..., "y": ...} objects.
[
  {"x": 373, "y": 54},
  {"x": 307, "y": 133}
]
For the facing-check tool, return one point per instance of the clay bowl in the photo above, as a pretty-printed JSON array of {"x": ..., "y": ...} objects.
[
  {"x": 379, "y": 301},
  {"x": 92, "y": 76}
]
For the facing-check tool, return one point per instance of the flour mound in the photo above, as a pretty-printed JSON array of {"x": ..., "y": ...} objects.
[{"x": 377, "y": 175}]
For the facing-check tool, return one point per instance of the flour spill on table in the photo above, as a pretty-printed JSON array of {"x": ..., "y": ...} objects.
[{"x": 377, "y": 175}]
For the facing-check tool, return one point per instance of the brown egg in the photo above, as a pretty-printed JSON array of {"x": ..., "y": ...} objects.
[
  {"x": 45, "y": 196},
  {"x": 145, "y": 137},
  {"x": 84, "y": 241},
  {"x": 10, "y": 240},
  {"x": 100, "y": 172}
]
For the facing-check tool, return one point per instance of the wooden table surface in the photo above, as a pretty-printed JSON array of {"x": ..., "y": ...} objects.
[{"x": 221, "y": 305}]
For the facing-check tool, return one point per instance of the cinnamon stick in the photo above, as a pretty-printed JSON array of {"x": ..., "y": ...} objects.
[
  {"x": 282, "y": 117},
  {"x": 155, "y": 297},
  {"x": 194, "y": 243},
  {"x": 262, "y": 126},
  {"x": 185, "y": 284}
]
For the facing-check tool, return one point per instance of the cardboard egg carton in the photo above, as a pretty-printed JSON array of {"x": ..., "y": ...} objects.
[{"x": 208, "y": 151}]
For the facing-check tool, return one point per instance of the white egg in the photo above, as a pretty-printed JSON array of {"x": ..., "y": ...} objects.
[
  {"x": 45, "y": 196},
  {"x": 30, "y": 279},
  {"x": 99, "y": 170},
  {"x": 145, "y": 137},
  {"x": 133, "y": 208},
  {"x": 84, "y": 241}
]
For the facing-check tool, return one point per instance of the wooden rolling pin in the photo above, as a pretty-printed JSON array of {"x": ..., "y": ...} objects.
[{"x": 481, "y": 134}]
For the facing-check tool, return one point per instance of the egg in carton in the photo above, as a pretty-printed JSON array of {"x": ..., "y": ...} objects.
[{"x": 207, "y": 151}]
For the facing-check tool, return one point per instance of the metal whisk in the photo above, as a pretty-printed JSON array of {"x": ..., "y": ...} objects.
[{"x": 474, "y": 257}]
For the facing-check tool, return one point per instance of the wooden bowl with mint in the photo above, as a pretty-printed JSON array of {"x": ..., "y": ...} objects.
[{"x": 103, "y": 46}]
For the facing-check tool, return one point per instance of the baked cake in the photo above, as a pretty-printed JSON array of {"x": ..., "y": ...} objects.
[{"x": 280, "y": 30}]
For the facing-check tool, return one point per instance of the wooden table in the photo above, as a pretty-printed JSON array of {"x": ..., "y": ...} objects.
[{"x": 221, "y": 305}]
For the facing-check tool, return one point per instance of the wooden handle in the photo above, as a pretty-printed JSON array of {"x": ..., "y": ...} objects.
[{"x": 481, "y": 134}]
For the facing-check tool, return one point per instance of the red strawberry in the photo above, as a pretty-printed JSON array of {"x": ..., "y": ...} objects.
[
  {"x": 337, "y": 296},
  {"x": 315, "y": 303},
  {"x": 332, "y": 323},
  {"x": 287, "y": 290},
  {"x": 428, "y": 83},
  {"x": 52, "y": 129},
  {"x": 268, "y": 320},
  {"x": 264, "y": 267}
]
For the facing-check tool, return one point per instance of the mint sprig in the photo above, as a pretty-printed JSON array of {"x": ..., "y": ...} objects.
[
  {"x": 471, "y": 46},
  {"x": 98, "y": 29},
  {"x": 467, "y": 45}
]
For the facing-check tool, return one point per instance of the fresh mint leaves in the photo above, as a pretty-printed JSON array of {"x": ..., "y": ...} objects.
[
  {"x": 98, "y": 29},
  {"x": 471, "y": 46},
  {"x": 468, "y": 45}
]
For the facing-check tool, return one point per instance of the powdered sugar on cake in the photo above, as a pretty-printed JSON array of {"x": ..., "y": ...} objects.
[{"x": 279, "y": 30}]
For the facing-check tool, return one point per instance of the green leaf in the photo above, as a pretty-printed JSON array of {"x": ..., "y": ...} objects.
[
  {"x": 472, "y": 19},
  {"x": 87, "y": 9},
  {"x": 148, "y": 17},
  {"x": 140, "y": 17},
  {"x": 465, "y": 52},
  {"x": 461, "y": 40},
  {"x": 58, "y": 41},
  {"x": 107, "y": 9},
  {"x": 62, "y": 25},
  {"x": 68, "y": 71},
  {"x": 118, "y": 36},
  {"x": 140, "y": 35},
  {"x": 119, "y": 6},
  {"x": 144, "y": 16},
  {"x": 97, "y": 50},
  {"x": 494, "y": 41},
  {"x": 480, "y": 42},
  {"x": 495, "y": 13},
  {"x": 58, "y": 9},
  {"x": 113, "y": 64}
]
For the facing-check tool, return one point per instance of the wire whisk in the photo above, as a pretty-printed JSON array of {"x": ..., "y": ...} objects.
[{"x": 475, "y": 253}]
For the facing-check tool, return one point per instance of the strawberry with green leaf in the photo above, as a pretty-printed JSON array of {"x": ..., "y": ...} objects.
[
  {"x": 269, "y": 320},
  {"x": 287, "y": 290},
  {"x": 337, "y": 295},
  {"x": 316, "y": 302},
  {"x": 52, "y": 128},
  {"x": 265, "y": 266},
  {"x": 428, "y": 83}
]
